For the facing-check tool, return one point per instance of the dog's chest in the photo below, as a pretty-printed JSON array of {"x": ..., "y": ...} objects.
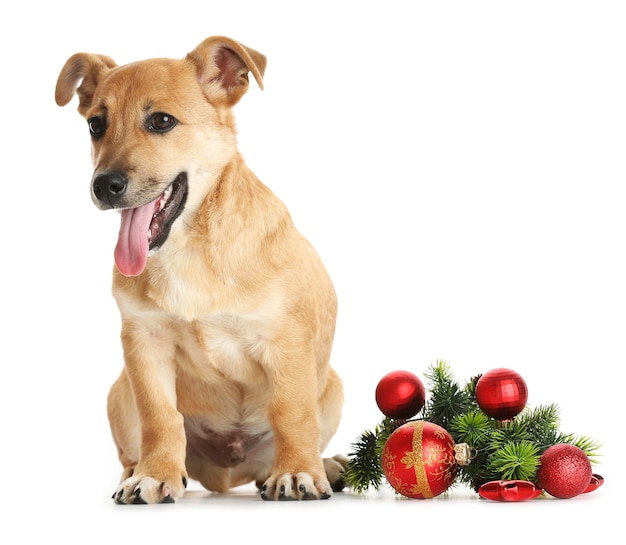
[
  {"x": 222, "y": 329},
  {"x": 182, "y": 285},
  {"x": 234, "y": 344},
  {"x": 230, "y": 345},
  {"x": 186, "y": 297}
]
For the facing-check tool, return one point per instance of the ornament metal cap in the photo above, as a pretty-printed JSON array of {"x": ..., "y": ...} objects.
[{"x": 464, "y": 454}]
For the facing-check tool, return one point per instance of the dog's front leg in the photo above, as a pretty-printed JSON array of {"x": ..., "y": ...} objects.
[
  {"x": 146, "y": 426},
  {"x": 298, "y": 471}
]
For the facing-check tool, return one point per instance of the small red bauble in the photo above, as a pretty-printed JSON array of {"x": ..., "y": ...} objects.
[
  {"x": 418, "y": 460},
  {"x": 564, "y": 471},
  {"x": 400, "y": 395},
  {"x": 501, "y": 393}
]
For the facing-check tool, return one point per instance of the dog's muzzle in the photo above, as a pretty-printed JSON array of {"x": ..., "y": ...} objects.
[{"x": 145, "y": 226}]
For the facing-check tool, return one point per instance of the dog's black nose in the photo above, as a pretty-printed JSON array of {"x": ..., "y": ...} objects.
[{"x": 109, "y": 188}]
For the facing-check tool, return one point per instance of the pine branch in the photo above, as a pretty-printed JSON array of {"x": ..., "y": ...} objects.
[
  {"x": 364, "y": 469},
  {"x": 447, "y": 399},
  {"x": 542, "y": 424},
  {"x": 588, "y": 445},
  {"x": 515, "y": 460},
  {"x": 472, "y": 428}
]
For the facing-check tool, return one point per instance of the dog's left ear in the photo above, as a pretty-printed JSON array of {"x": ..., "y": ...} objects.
[{"x": 223, "y": 64}]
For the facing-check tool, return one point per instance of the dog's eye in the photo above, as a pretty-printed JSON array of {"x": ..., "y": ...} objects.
[
  {"x": 96, "y": 126},
  {"x": 161, "y": 122}
]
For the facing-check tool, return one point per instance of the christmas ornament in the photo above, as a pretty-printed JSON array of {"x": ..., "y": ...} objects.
[
  {"x": 400, "y": 395},
  {"x": 498, "y": 459},
  {"x": 501, "y": 393},
  {"x": 418, "y": 460},
  {"x": 564, "y": 471},
  {"x": 509, "y": 490}
]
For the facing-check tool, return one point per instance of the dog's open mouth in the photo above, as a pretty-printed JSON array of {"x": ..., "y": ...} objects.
[{"x": 146, "y": 227}]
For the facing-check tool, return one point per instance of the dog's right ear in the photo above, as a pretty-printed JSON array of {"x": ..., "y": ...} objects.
[{"x": 85, "y": 69}]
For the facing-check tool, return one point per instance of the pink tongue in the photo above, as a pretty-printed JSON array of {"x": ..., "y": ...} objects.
[{"x": 131, "y": 252}]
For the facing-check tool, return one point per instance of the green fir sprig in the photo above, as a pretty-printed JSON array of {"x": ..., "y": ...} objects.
[
  {"x": 502, "y": 450},
  {"x": 364, "y": 470}
]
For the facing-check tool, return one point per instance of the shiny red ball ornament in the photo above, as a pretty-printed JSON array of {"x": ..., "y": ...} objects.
[
  {"x": 418, "y": 460},
  {"x": 564, "y": 471},
  {"x": 501, "y": 393},
  {"x": 400, "y": 395}
]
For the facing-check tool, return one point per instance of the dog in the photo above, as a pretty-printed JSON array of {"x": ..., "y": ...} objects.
[{"x": 228, "y": 313}]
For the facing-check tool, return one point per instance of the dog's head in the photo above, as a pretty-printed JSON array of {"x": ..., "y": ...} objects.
[{"x": 161, "y": 131}]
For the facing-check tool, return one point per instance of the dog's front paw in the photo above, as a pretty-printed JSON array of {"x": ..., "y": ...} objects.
[
  {"x": 298, "y": 486},
  {"x": 144, "y": 489}
]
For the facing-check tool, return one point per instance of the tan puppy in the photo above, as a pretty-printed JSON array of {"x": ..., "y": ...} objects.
[{"x": 228, "y": 314}]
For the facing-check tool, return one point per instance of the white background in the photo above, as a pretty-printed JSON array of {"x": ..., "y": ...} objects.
[{"x": 458, "y": 165}]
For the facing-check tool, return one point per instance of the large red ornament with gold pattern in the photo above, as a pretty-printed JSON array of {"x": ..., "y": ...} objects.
[{"x": 418, "y": 460}]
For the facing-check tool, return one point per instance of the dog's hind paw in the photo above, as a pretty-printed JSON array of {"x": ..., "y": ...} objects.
[
  {"x": 299, "y": 486},
  {"x": 335, "y": 468},
  {"x": 142, "y": 490}
]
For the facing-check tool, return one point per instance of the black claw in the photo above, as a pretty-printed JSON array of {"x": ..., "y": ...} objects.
[
  {"x": 324, "y": 496},
  {"x": 168, "y": 499},
  {"x": 185, "y": 482},
  {"x": 137, "y": 499},
  {"x": 118, "y": 497}
]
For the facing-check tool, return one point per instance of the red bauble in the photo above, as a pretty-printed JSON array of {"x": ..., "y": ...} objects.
[
  {"x": 501, "y": 393},
  {"x": 400, "y": 394},
  {"x": 418, "y": 460},
  {"x": 564, "y": 471}
]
